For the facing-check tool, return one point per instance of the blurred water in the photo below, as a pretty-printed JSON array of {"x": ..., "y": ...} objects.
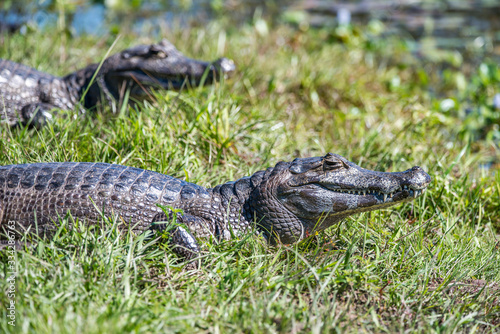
[
  {"x": 90, "y": 20},
  {"x": 100, "y": 16},
  {"x": 451, "y": 24},
  {"x": 464, "y": 25}
]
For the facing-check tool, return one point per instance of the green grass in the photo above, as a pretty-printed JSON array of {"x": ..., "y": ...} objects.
[{"x": 427, "y": 266}]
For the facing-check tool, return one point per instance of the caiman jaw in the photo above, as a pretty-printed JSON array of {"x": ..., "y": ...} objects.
[
  {"x": 413, "y": 192},
  {"x": 160, "y": 66},
  {"x": 333, "y": 187},
  {"x": 142, "y": 78},
  {"x": 306, "y": 195}
]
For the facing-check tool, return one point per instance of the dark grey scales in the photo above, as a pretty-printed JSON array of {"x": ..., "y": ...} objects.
[
  {"x": 27, "y": 95},
  {"x": 286, "y": 203}
]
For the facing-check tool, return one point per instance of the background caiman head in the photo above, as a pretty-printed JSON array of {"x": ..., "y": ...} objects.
[
  {"x": 159, "y": 66},
  {"x": 297, "y": 198}
]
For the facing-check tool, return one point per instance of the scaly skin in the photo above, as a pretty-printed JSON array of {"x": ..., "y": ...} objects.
[
  {"x": 286, "y": 203},
  {"x": 27, "y": 95}
]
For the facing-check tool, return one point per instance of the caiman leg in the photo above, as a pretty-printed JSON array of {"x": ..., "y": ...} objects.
[
  {"x": 180, "y": 239},
  {"x": 37, "y": 114}
]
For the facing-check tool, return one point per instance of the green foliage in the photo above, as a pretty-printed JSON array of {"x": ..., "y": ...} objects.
[{"x": 427, "y": 266}]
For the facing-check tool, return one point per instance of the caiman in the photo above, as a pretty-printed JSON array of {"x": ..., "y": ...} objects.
[
  {"x": 28, "y": 95},
  {"x": 286, "y": 203}
]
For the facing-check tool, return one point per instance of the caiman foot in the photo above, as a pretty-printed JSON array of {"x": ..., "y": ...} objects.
[
  {"x": 37, "y": 114},
  {"x": 182, "y": 242}
]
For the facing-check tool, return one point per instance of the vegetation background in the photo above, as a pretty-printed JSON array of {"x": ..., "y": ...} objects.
[{"x": 427, "y": 266}]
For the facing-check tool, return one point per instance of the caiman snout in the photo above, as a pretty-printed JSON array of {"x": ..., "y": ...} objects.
[
  {"x": 224, "y": 66},
  {"x": 415, "y": 178}
]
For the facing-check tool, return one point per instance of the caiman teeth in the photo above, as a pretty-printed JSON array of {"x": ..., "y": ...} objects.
[{"x": 363, "y": 192}]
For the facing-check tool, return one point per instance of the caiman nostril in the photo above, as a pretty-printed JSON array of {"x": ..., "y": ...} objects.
[{"x": 225, "y": 65}]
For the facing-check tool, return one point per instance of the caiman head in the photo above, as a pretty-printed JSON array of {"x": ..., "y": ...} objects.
[
  {"x": 159, "y": 66},
  {"x": 295, "y": 199}
]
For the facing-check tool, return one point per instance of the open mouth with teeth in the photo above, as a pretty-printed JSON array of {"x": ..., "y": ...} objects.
[{"x": 409, "y": 191}]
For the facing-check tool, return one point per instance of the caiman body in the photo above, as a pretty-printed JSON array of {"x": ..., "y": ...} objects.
[
  {"x": 286, "y": 203},
  {"x": 28, "y": 95}
]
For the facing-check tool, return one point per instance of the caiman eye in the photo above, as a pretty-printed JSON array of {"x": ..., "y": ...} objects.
[
  {"x": 331, "y": 162},
  {"x": 161, "y": 54},
  {"x": 332, "y": 165},
  {"x": 155, "y": 51}
]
